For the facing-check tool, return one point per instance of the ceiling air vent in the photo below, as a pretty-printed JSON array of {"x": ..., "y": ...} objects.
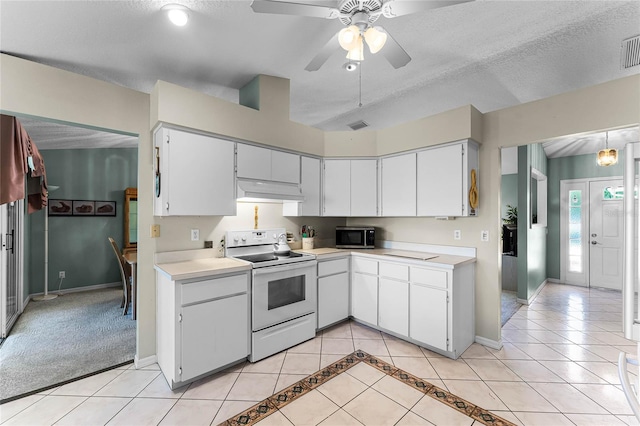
[
  {"x": 630, "y": 52},
  {"x": 358, "y": 125}
]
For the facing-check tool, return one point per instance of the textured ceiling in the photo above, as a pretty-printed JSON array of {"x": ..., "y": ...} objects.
[{"x": 491, "y": 54}]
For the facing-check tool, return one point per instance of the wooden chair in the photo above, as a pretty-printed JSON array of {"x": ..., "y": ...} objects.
[{"x": 125, "y": 274}]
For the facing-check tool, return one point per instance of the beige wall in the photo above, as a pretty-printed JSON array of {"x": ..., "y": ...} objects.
[
  {"x": 29, "y": 88},
  {"x": 33, "y": 89}
]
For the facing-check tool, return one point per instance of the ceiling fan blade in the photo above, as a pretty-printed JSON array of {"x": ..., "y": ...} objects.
[
  {"x": 324, "y": 54},
  {"x": 394, "y": 53},
  {"x": 286, "y": 8},
  {"x": 395, "y": 8}
]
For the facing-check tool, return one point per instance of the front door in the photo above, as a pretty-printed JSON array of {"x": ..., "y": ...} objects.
[
  {"x": 9, "y": 258},
  {"x": 606, "y": 227}
]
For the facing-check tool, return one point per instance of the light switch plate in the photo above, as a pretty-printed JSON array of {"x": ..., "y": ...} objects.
[
  {"x": 457, "y": 234},
  {"x": 484, "y": 236},
  {"x": 195, "y": 234},
  {"x": 155, "y": 231}
]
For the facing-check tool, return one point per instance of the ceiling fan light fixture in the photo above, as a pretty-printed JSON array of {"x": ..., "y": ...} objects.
[
  {"x": 376, "y": 38},
  {"x": 607, "y": 156},
  {"x": 357, "y": 53},
  {"x": 177, "y": 14},
  {"x": 348, "y": 37}
]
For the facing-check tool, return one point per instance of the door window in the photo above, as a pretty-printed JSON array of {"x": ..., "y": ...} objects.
[{"x": 575, "y": 231}]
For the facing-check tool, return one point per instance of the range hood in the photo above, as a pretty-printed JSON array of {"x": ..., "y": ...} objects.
[{"x": 251, "y": 190}]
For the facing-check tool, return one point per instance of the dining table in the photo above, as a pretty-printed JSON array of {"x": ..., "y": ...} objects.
[{"x": 132, "y": 259}]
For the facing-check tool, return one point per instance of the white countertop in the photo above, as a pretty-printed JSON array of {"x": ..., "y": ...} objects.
[
  {"x": 204, "y": 267},
  {"x": 178, "y": 265}
]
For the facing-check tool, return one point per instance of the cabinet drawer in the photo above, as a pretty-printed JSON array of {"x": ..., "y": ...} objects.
[
  {"x": 431, "y": 277},
  {"x": 213, "y": 288},
  {"x": 331, "y": 267},
  {"x": 395, "y": 271},
  {"x": 365, "y": 266}
]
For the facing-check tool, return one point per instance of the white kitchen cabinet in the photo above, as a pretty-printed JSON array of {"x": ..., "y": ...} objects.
[
  {"x": 350, "y": 187},
  {"x": 393, "y": 309},
  {"x": 364, "y": 298},
  {"x": 254, "y": 162},
  {"x": 430, "y": 306},
  {"x": 429, "y": 316},
  {"x": 195, "y": 173},
  {"x": 333, "y": 291},
  {"x": 310, "y": 186},
  {"x": 364, "y": 188},
  {"x": 194, "y": 333},
  {"x": 337, "y": 188},
  {"x": 259, "y": 163},
  {"x": 398, "y": 185},
  {"x": 444, "y": 179}
]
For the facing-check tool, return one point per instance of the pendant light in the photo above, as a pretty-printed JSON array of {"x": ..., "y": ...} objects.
[{"x": 607, "y": 156}]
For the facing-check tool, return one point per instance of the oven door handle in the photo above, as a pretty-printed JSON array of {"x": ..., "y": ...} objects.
[{"x": 286, "y": 267}]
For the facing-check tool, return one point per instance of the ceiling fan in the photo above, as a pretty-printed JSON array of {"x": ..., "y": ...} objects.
[{"x": 358, "y": 16}]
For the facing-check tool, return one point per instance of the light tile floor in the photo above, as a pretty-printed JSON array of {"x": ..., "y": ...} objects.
[{"x": 557, "y": 367}]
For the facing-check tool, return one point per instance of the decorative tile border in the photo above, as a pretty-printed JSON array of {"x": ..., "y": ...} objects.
[{"x": 275, "y": 402}]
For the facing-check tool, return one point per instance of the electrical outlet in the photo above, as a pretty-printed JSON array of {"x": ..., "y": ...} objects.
[
  {"x": 61, "y": 274},
  {"x": 195, "y": 234},
  {"x": 484, "y": 236},
  {"x": 457, "y": 234},
  {"x": 155, "y": 231}
]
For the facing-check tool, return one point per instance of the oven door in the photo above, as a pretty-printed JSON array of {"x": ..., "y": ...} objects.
[{"x": 281, "y": 293}]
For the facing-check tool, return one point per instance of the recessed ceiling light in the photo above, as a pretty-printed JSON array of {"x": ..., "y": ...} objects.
[
  {"x": 350, "y": 66},
  {"x": 178, "y": 14}
]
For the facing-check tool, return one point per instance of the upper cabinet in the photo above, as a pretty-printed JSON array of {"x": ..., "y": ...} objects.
[
  {"x": 398, "y": 181},
  {"x": 267, "y": 164},
  {"x": 194, "y": 174},
  {"x": 447, "y": 180},
  {"x": 350, "y": 187},
  {"x": 310, "y": 186}
]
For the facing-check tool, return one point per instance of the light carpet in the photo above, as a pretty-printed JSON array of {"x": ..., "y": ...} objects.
[
  {"x": 509, "y": 306},
  {"x": 69, "y": 337}
]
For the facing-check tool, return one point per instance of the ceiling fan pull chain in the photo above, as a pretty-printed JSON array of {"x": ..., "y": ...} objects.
[{"x": 360, "y": 78}]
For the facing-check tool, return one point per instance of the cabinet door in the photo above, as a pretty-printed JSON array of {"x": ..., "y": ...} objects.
[
  {"x": 254, "y": 162},
  {"x": 285, "y": 167},
  {"x": 333, "y": 299},
  {"x": 399, "y": 185},
  {"x": 393, "y": 308},
  {"x": 428, "y": 316},
  {"x": 337, "y": 187},
  {"x": 310, "y": 185},
  {"x": 199, "y": 179},
  {"x": 364, "y": 188},
  {"x": 364, "y": 298},
  {"x": 440, "y": 186},
  {"x": 210, "y": 339}
]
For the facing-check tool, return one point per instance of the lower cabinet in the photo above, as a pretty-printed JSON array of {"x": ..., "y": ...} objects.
[
  {"x": 333, "y": 291},
  {"x": 202, "y": 325},
  {"x": 364, "y": 298},
  {"x": 393, "y": 309},
  {"x": 428, "y": 316},
  {"x": 427, "y": 305}
]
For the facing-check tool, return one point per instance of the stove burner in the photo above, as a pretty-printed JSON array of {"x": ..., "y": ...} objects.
[{"x": 266, "y": 257}]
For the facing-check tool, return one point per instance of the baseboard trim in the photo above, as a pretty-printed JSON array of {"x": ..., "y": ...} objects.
[
  {"x": 493, "y": 344},
  {"x": 554, "y": 281},
  {"x": 78, "y": 289},
  {"x": 144, "y": 362}
]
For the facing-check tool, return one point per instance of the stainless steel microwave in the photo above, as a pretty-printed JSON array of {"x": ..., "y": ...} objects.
[{"x": 355, "y": 237}]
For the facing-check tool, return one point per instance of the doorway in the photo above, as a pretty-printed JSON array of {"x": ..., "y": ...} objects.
[{"x": 591, "y": 228}]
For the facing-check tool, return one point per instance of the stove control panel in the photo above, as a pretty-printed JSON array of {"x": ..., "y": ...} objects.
[{"x": 253, "y": 237}]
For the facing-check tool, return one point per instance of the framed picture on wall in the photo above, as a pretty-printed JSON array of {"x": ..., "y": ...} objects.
[
  {"x": 60, "y": 207},
  {"x": 105, "y": 208},
  {"x": 83, "y": 208}
]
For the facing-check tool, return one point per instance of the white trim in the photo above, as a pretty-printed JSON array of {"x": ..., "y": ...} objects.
[
  {"x": 554, "y": 281},
  {"x": 532, "y": 298},
  {"x": 493, "y": 344},
  {"x": 144, "y": 362},
  {"x": 80, "y": 289},
  {"x": 430, "y": 248}
]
